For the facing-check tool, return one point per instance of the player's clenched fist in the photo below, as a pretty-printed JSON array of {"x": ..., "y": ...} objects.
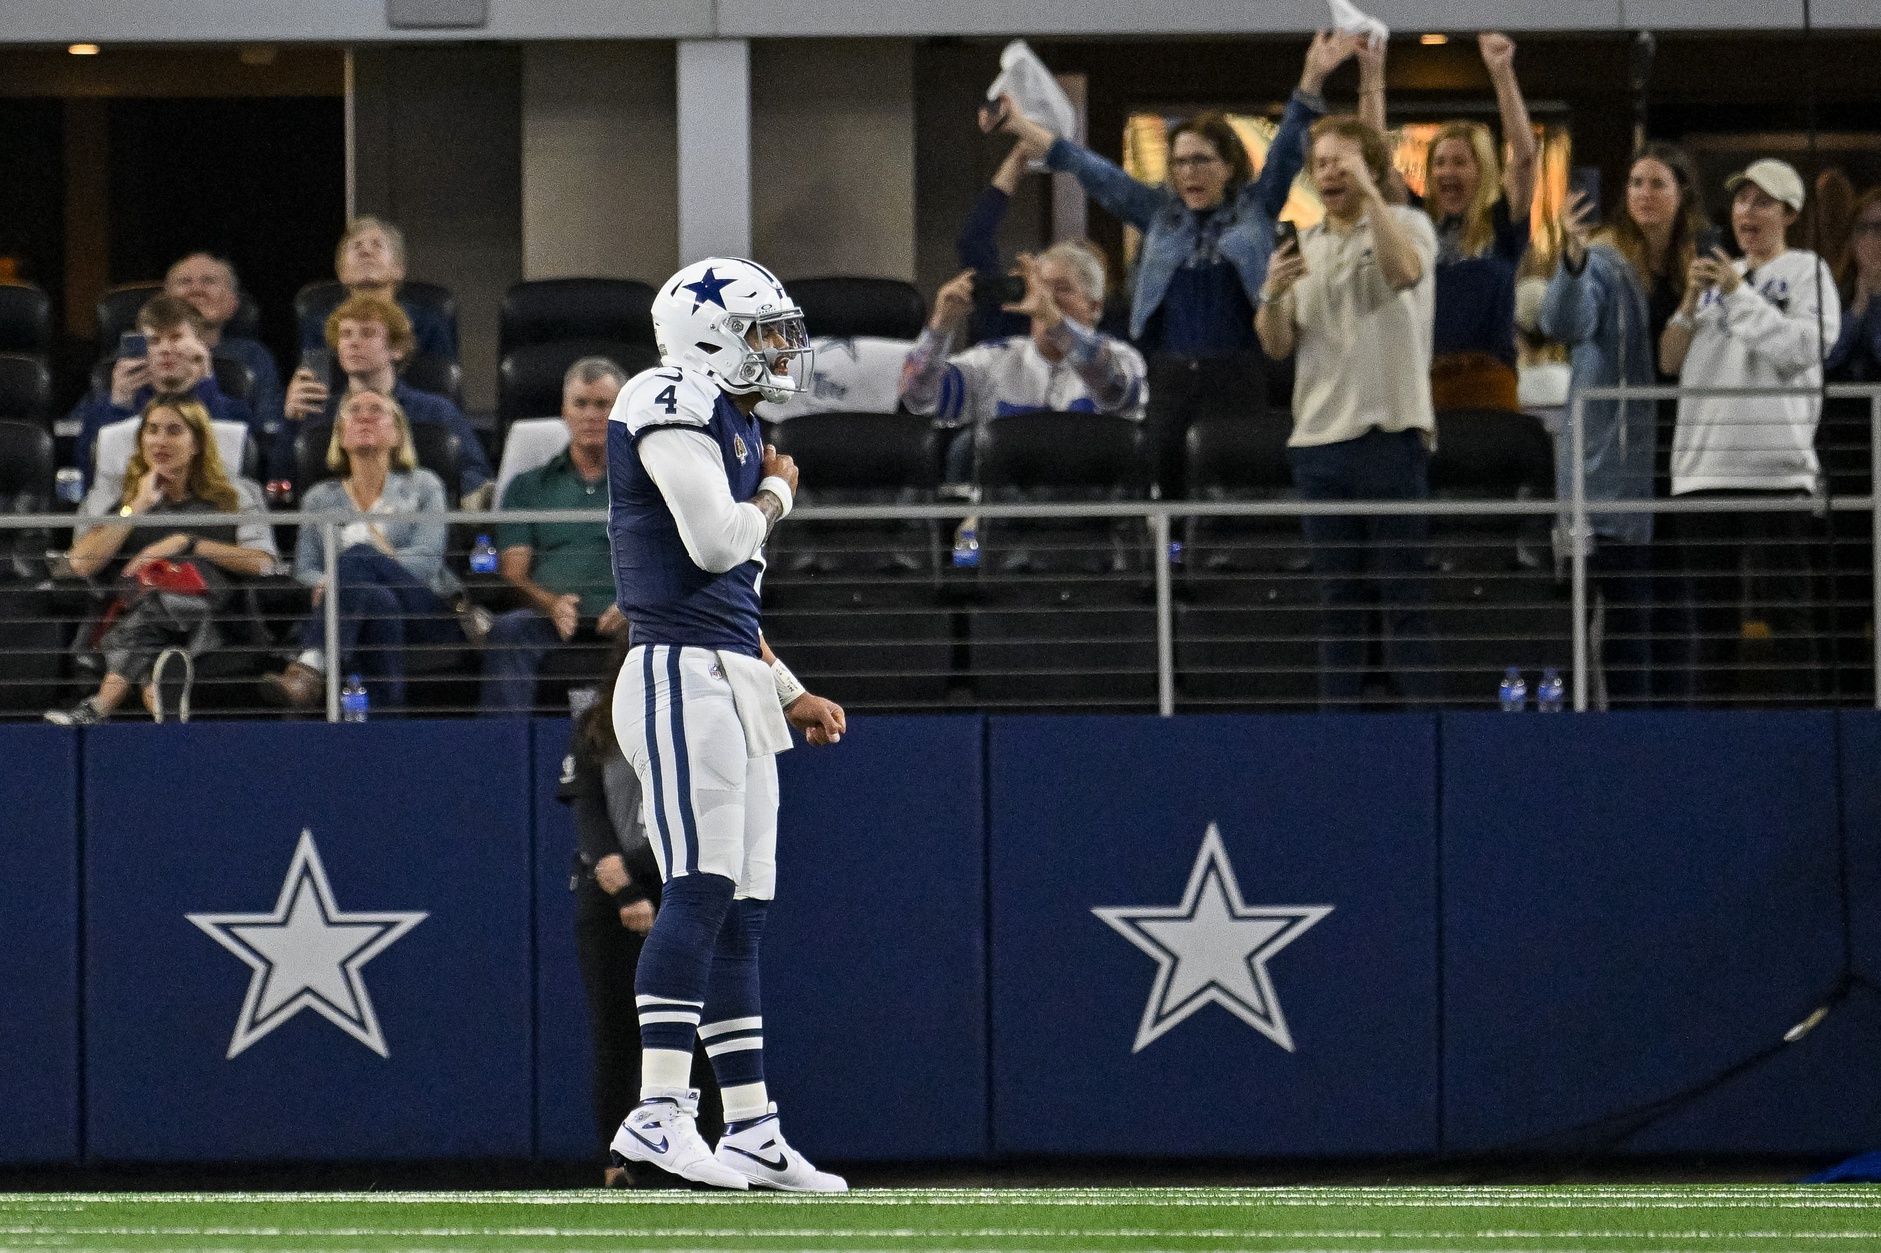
[
  {"x": 821, "y": 721},
  {"x": 780, "y": 465}
]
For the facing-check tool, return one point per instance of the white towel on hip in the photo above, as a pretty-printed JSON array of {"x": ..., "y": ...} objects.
[
  {"x": 754, "y": 692},
  {"x": 1347, "y": 19}
]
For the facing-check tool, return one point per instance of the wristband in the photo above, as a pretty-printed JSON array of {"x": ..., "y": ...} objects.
[
  {"x": 788, "y": 688},
  {"x": 189, "y": 546},
  {"x": 780, "y": 489},
  {"x": 631, "y": 893}
]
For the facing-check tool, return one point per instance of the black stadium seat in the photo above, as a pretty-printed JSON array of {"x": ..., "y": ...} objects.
[
  {"x": 117, "y": 313},
  {"x": 1065, "y": 613},
  {"x": 25, "y": 388},
  {"x": 25, "y": 319},
  {"x": 841, "y": 308},
  {"x": 529, "y": 379},
  {"x": 548, "y": 311},
  {"x": 441, "y": 376},
  {"x": 315, "y": 301},
  {"x": 858, "y": 603}
]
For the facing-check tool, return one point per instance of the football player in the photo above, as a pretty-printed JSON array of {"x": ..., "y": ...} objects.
[{"x": 702, "y": 706}]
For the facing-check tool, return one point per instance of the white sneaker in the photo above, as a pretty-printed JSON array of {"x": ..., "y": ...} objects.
[
  {"x": 758, "y": 1153},
  {"x": 661, "y": 1130}
]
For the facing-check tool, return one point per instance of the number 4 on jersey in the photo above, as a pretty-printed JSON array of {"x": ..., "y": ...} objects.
[{"x": 670, "y": 399}]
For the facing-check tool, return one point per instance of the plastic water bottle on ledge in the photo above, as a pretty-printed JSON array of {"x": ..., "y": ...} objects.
[
  {"x": 483, "y": 556},
  {"x": 967, "y": 546},
  {"x": 353, "y": 700},
  {"x": 1550, "y": 693},
  {"x": 1513, "y": 694}
]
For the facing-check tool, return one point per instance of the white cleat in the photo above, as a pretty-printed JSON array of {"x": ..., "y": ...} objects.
[
  {"x": 759, "y": 1154},
  {"x": 662, "y": 1130}
]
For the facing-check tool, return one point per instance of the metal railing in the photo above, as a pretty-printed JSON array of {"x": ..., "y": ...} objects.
[{"x": 1162, "y": 605}]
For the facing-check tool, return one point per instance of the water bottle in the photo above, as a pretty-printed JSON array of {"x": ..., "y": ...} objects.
[
  {"x": 1175, "y": 552},
  {"x": 353, "y": 700},
  {"x": 1550, "y": 693},
  {"x": 1514, "y": 691},
  {"x": 69, "y": 485},
  {"x": 967, "y": 547},
  {"x": 483, "y": 556}
]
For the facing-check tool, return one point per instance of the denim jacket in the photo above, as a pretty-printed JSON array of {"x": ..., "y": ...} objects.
[
  {"x": 1601, "y": 315},
  {"x": 1170, "y": 230},
  {"x": 418, "y": 546}
]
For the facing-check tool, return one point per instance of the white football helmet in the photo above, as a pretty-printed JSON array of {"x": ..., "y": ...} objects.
[{"x": 731, "y": 319}]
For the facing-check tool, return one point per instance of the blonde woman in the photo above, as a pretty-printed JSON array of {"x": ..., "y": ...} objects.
[
  {"x": 394, "y": 588},
  {"x": 176, "y": 470},
  {"x": 1480, "y": 207}
]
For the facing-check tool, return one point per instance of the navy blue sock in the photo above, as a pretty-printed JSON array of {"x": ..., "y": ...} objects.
[
  {"x": 733, "y": 1027},
  {"x": 675, "y": 967}
]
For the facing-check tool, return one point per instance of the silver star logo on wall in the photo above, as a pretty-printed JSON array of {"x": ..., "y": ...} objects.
[
  {"x": 307, "y": 955},
  {"x": 1212, "y": 947}
]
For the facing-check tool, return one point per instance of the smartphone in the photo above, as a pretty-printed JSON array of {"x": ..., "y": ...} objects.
[
  {"x": 1286, "y": 233},
  {"x": 319, "y": 363},
  {"x": 1007, "y": 289},
  {"x": 1585, "y": 179},
  {"x": 1708, "y": 241},
  {"x": 134, "y": 345}
]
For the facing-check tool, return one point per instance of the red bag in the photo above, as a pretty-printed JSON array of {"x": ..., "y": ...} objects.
[{"x": 181, "y": 577}]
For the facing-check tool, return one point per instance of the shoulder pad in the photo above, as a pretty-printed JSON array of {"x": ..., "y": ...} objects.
[{"x": 668, "y": 395}]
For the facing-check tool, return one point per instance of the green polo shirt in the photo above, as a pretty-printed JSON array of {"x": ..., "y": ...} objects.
[{"x": 568, "y": 556}]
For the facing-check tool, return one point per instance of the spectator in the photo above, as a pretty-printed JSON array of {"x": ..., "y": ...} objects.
[
  {"x": 370, "y": 261},
  {"x": 1763, "y": 320},
  {"x": 1353, "y": 297},
  {"x": 175, "y": 471},
  {"x": 561, "y": 568},
  {"x": 209, "y": 284},
  {"x": 1856, "y": 357},
  {"x": 177, "y": 364},
  {"x": 617, "y": 893},
  {"x": 393, "y": 583},
  {"x": 1481, "y": 209},
  {"x": 1063, "y": 364},
  {"x": 1207, "y": 237},
  {"x": 370, "y": 338},
  {"x": 1608, "y": 301}
]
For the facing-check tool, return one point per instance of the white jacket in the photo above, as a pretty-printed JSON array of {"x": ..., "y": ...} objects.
[{"x": 1772, "y": 331}]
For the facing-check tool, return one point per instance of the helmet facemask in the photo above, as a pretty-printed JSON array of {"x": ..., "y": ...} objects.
[{"x": 778, "y": 365}]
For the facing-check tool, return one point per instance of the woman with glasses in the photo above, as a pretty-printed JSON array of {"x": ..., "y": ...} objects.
[{"x": 1207, "y": 234}]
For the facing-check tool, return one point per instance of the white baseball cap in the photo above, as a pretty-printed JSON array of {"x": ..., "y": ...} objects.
[{"x": 1778, "y": 178}]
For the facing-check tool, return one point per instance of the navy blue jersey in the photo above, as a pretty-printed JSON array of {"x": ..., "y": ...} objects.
[{"x": 667, "y": 598}]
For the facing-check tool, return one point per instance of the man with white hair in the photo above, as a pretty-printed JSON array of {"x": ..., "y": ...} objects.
[{"x": 1065, "y": 364}]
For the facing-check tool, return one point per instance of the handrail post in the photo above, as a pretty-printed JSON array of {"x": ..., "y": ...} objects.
[
  {"x": 330, "y": 610},
  {"x": 1165, "y": 619},
  {"x": 1580, "y": 535}
]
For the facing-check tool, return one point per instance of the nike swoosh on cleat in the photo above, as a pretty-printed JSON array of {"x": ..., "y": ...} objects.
[
  {"x": 657, "y": 1148},
  {"x": 780, "y": 1165}
]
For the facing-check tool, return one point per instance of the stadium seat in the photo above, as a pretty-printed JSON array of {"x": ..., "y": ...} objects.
[
  {"x": 25, "y": 319},
  {"x": 529, "y": 378},
  {"x": 548, "y": 311},
  {"x": 30, "y": 663},
  {"x": 838, "y": 308},
  {"x": 441, "y": 376},
  {"x": 25, "y": 388},
  {"x": 1063, "y": 611},
  {"x": 1492, "y": 454},
  {"x": 233, "y": 377},
  {"x": 315, "y": 301},
  {"x": 527, "y": 445},
  {"x": 117, "y": 313},
  {"x": 437, "y": 448},
  {"x": 859, "y": 603},
  {"x": 1246, "y": 606}
]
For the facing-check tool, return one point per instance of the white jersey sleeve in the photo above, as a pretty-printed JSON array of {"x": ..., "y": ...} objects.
[{"x": 665, "y": 397}]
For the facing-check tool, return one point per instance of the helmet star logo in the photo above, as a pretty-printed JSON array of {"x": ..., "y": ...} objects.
[{"x": 708, "y": 289}]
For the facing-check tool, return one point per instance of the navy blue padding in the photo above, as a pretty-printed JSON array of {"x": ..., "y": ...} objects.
[
  {"x": 1632, "y": 903},
  {"x": 1092, "y": 812},
  {"x": 39, "y": 949}
]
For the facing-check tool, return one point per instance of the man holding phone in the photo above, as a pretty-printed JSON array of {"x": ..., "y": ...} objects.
[
  {"x": 164, "y": 356},
  {"x": 1064, "y": 364}
]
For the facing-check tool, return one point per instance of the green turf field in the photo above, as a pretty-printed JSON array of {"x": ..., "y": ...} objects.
[{"x": 1717, "y": 1219}]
